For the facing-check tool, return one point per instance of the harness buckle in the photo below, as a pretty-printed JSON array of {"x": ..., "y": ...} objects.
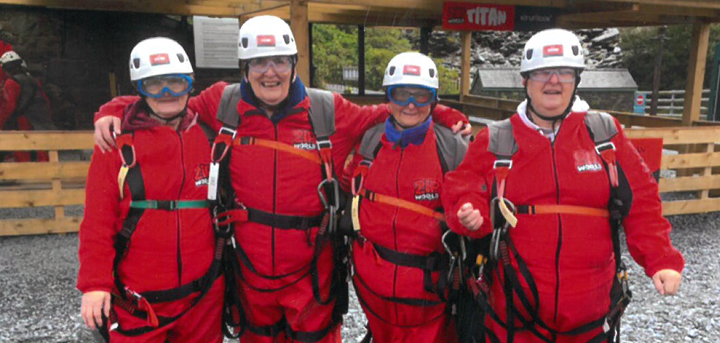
[
  {"x": 324, "y": 144},
  {"x": 502, "y": 163},
  {"x": 166, "y": 205},
  {"x": 604, "y": 146}
]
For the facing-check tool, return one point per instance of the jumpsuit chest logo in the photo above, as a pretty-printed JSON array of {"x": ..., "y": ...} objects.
[
  {"x": 587, "y": 161},
  {"x": 427, "y": 189},
  {"x": 202, "y": 172},
  {"x": 304, "y": 139}
]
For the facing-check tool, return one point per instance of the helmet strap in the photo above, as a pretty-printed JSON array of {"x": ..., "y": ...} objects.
[
  {"x": 553, "y": 119},
  {"x": 163, "y": 119}
]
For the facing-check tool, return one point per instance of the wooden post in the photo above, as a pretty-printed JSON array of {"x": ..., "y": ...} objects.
[
  {"x": 465, "y": 69},
  {"x": 696, "y": 73},
  {"x": 425, "y": 39},
  {"x": 299, "y": 27},
  {"x": 113, "y": 85},
  {"x": 656, "y": 75},
  {"x": 361, "y": 59},
  {"x": 54, "y": 157}
]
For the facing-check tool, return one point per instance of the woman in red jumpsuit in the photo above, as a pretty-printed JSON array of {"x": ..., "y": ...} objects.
[
  {"x": 558, "y": 264},
  {"x": 398, "y": 257},
  {"x": 163, "y": 284}
]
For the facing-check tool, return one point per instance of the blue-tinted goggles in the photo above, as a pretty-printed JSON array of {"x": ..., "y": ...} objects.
[
  {"x": 403, "y": 95},
  {"x": 157, "y": 86}
]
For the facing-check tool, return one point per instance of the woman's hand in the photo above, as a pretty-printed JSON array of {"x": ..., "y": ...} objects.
[
  {"x": 469, "y": 217},
  {"x": 94, "y": 305},
  {"x": 103, "y": 132}
]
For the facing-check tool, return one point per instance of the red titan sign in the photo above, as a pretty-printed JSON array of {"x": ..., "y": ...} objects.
[
  {"x": 552, "y": 50},
  {"x": 266, "y": 40},
  {"x": 411, "y": 70},
  {"x": 158, "y": 59},
  {"x": 476, "y": 17}
]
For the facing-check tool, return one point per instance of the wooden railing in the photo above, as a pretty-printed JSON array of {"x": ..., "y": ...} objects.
[
  {"x": 672, "y": 102},
  {"x": 489, "y": 108},
  {"x": 38, "y": 184},
  {"x": 696, "y": 151},
  {"x": 58, "y": 183}
]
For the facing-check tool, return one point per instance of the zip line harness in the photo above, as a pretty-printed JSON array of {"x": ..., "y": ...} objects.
[
  {"x": 230, "y": 213},
  {"x": 497, "y": 254},
  {"x": 140, "y": 304},
  {"x": 451, "y": 149}
]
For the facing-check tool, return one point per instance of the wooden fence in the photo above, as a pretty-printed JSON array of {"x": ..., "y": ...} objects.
[
  {"x": 696, "y": 147},
  {"x": 38, "y": 184},
  {"x": 58, "y": 183},
  {"x": 483, "y": 108},
  {"x": 672, "y": 102}
]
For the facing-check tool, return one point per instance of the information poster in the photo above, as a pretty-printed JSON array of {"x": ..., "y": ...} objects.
[{"x": 216, "y": 42}]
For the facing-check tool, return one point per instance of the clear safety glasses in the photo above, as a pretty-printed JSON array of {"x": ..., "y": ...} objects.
[
  {"x": 157, "y": 86},
  {"x": 280, "y": 64},
  {"x": 565, "y": 75},
  {"x": 403, "y": 95}
]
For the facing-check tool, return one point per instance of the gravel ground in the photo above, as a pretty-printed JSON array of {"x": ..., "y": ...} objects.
[{"x": 39, "y": 302}]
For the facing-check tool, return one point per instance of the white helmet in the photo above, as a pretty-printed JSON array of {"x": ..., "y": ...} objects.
[
  {"x": 158, "y": 56},
  {"x": 264, "y": 36},
  {"x": 552, "y": 48},
  {"x": 9, "y": 56},
  {"x": 411, "y": 68}
]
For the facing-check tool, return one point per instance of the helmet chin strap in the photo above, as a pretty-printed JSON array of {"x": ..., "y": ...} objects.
[
  {"x": 163, "y": 119},
  {"x": 553, "y": 119}
]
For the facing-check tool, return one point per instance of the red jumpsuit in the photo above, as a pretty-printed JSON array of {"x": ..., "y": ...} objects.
[
  {"x": 278, "y": 183},
  {"x": 168, "y": 248},
  {"x": 570, "y": 256},
  {"x": 396, "y": 300}
]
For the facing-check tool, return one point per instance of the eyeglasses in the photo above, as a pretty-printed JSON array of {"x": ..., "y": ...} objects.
[
  {"x": 280, "y": 64},
  {"x": 403, "y": 95},
  {"x": 565, "y": 75},
  {"x": 157, "y": 86}
]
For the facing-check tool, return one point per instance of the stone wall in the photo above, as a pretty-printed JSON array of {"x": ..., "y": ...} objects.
[{"x": 73, "y": 54}]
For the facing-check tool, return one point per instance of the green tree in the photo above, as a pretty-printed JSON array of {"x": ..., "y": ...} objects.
[
  {"x": 640, "y": 46},
  {"x": 334, "y": 47}
]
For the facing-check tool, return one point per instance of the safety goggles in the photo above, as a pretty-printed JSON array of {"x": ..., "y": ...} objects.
[
  {"x": 280, "y": 64},
  {"x": 565, "y": 75},
  {"x": 403, "y": 95},
  {"x": 157, "y": 86}
]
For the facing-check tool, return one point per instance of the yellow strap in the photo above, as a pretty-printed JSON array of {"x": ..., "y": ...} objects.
[
  {"x": 509, "y": 216},
  {"x": 355, "y": 213},
  {"x": 122, "y": 174}
]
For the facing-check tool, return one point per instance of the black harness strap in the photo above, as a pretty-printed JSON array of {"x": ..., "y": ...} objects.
[
  {"x": 284, "y": 222},
  {"x": 203, "y": 284}
]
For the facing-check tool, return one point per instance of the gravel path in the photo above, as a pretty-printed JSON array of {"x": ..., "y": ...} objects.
[{"x": 39, "y": 302}]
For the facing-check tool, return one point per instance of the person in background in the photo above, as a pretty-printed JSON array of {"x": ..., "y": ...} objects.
[{"x": 24, "y": 105}]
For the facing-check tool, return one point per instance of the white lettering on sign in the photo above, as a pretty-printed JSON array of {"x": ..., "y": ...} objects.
[{"x": 486, "y": 16}]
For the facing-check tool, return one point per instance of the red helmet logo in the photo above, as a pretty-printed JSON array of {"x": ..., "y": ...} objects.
[
  {"x": 552, "y": 50},
  {"x": 267, "y": 40},
  {"x": 411, "y": 70},
  {"x": 158, "y": 59}
]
